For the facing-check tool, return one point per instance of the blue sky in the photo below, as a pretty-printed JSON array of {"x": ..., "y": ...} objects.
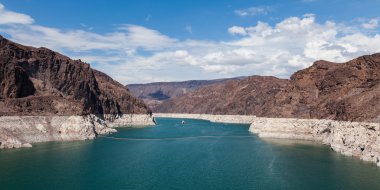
[{"x": 148, "y": 41}]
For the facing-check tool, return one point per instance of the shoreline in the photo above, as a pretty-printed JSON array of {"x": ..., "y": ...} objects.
[
  {"x": 22, "y": 131},
  {"x": 237, "y": 119},
  {"x": 357, "y": 139}
]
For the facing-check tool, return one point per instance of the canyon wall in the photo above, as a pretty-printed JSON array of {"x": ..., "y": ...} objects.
[{"x": 42, "y": 82}]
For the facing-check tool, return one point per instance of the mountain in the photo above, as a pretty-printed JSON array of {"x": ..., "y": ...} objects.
[
  {"x": 39, "y": 81},
  {"x": 154, "y": 94},
  {"x": 342, "y": 91}
]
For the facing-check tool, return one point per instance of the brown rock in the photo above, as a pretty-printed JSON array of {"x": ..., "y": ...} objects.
[{"x": 38, "y": 81}]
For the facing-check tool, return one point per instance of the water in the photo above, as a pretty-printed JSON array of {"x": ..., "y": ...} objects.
[{"x": 160, "y": 158}]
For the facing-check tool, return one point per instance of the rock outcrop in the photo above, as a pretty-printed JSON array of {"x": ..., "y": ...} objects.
[
  {"x": 339, "y": 91},
  {"x": 21, "y": 131},
  {"x": 357, "y": 139}
]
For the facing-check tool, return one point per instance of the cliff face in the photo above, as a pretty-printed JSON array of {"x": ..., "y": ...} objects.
[
  {"x": 126, "y": 102},
  {"x": 153, "y": 94},
  {"x": 38, "y": 81},
  {"x": 346, "y": 91}
]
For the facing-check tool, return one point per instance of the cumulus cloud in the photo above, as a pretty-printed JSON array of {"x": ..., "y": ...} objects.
[
  {"x": 252, "y": 11},
  {"x": 136, "y": 54},
  {"x": 295, "y": 43},
  {"x": 237, "y": 30},
  {"x": 9, "y": 17},
  {"x": 371, "y": 24}
]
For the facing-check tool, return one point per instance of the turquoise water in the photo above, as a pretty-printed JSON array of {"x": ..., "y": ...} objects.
[{"x": 198, "y": 155}]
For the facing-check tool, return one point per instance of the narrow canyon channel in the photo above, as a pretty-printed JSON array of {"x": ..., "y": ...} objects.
[{"x": 197, "y": 154}]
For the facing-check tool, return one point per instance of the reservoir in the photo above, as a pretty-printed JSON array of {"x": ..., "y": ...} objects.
[{"x": 195, "y": 155}]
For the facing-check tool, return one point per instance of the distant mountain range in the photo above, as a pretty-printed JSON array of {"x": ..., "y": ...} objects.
[
  {"x": 153, "y": 94},
  {"x": 342, "y": 91},
  {"x": 39, "y": 81}
]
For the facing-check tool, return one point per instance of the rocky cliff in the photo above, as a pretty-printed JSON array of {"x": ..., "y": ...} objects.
[
  {"x": 340, "y": 91},
  {"x": 38, "y": 81}
]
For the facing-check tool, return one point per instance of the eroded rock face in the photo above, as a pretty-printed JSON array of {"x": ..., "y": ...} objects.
[
  {"x": 38, "y": 81},
  {"x": 340, "y": 91},
  {"x": 21, "y": 131},
  {"x": 113, "y": 90},
  {"x": 15, "y": 83},
  {"x": 348, "y": 91}
]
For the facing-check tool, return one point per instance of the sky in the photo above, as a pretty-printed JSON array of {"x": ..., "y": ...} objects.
[{"x": 146, "y": 41}]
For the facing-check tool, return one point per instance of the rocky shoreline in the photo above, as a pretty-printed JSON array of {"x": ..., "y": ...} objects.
[
  {"x": 22, "y": 131},
  {"x": 358, "y": 139}
]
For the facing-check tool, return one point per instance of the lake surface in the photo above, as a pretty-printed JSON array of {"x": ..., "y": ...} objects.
[{"x": 196, "y": 155}]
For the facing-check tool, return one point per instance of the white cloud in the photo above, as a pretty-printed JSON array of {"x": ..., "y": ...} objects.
[
  {"x": 181, "y": 53},
  {"x": 371, "y": 24},
  {"x": 9, "y": 17},
  {"x": 290, "y": 45},
  {"x": 146, "y": 38},
  {"x": 223, "y": 69},
  {"x": 136, "y": 54},
  {"x": 252, "y": 11},
  {"x": 237, "y": 30},
  {"x": 126, "y": 37}
]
